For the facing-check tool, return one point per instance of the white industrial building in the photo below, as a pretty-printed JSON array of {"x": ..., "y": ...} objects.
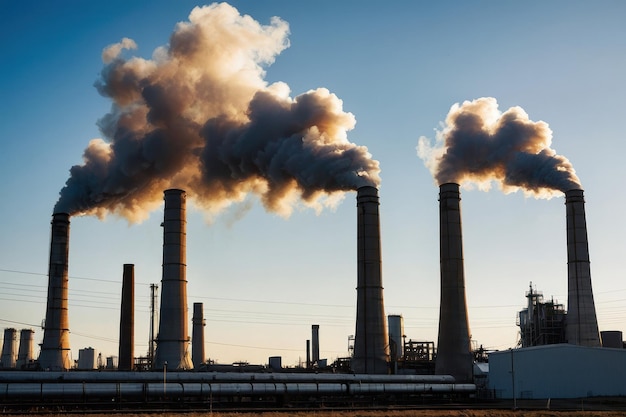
[{"x": 557, "y": 371}]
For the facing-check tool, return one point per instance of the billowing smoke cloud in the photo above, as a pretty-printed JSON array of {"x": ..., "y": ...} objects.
[
  {"x": 199, "y": 115},
  {"x": 479, "y": 144}
]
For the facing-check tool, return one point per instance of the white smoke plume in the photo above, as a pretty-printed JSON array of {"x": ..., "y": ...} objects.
[
  {"x": 199, "y": 116},
  {"x": 479, "y": 145}
]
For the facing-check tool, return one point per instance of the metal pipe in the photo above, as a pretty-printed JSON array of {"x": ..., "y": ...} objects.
[
  {"x": 127, "y": 320},
  {"x": 177, "y": 377},
  {"x": 173, "y": 339},
  {"x": 55, "y": 349},
  {"x": 581, "y": 323},
  {"x": 454, "y": 356}
]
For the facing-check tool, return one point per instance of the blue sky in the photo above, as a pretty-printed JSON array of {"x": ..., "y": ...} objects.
[{"x": 398, "y": 67}]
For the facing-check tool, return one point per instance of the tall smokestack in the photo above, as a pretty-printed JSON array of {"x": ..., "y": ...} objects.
[
  {"x": 127, "y": 320},
  {"x": 25, "y": 351},
  {"x": 173, "y": 338},
  {"x": 55, "y": 349},
  {"x": 315, "y": 342},
  {"x": 197, "y": 335},
  {"x": 582, "y": 324},
  {"x": 454, "y": 355},
  {"x": 9, "y": 349},
  {"x": 371, "y": 349}
]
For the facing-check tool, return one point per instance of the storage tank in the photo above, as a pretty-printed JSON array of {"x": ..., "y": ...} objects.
[
  {"x": 612, "y": 339},
  {"x": 87, "y": 359},
  {"x": 396, "y": 335},
  {"x": 112, "y": 362}
]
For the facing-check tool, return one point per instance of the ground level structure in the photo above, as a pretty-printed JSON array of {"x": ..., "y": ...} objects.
[{"x": 557, "y": 371}]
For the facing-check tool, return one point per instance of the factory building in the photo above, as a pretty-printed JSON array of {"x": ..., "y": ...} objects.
[{"x": 557, "y": 371}]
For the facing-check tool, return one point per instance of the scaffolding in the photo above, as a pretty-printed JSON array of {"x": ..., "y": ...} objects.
[
  {"x": 419, "y": 357},
  {"x": 542, "y": 322}
]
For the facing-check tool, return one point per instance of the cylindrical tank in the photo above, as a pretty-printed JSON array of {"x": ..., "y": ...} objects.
[
  {"x": 173, "y": 344},
  {"x": 396, "y": 334},
  {"x": 9, "y": 349},
  {"x": 275, "y": 363},
  {"x": 25, "y": 351},
  {"x": 87, "y": 359},
  {"x": 582, "y": 324},
  {"x": 127, "y": 319},
  {"x": 371, "y": 343},
  {"x": 55, "y": 349},
  {"x": 612, "y": 339},
  {"x": 112, "y": 362},
  {"x": 197, "y": 335},
  {"x": 454, "y": 356}
]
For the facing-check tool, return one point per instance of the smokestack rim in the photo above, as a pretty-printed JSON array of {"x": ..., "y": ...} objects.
[
  {"x": 449, "y": 186},
  {"x": 449, "y": 190},
  {"x": 174, "y": 191},
  {"x": 574, "y": 195},
  {"x": 61, "y": 216},
  {"x": 367, "y": 194}
]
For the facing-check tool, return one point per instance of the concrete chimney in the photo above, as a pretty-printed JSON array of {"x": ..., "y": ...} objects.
[
  {"x": 25, "y": 351},
  {"x": 454, "y": 356},
  {"x": 173, "y": 339},
  {"x": 55, "y": 349},
  {"x": 9, "y": 349},
  {"x": 581, "y": 326},
  {"x": 197, "y": 335},
  {"x": 371, "y": 348},
  {"x": 315, "y": 342},
  {"x": 127, "y": 320}
]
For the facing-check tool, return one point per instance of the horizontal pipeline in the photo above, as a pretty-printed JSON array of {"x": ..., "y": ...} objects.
[{"x": 128, "y": 390}]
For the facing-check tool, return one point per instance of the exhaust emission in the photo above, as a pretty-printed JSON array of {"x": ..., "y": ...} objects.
[
  {"x": 55, "y": 349},
  {"x": 371, "y": 349},
  {"x": 454, "y": 356},
  {"x": 581, "y": 323},
  {"x": 173, "y": 339}
]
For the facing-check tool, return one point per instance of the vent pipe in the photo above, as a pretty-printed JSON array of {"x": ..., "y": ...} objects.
[
  {"x": 25, "y": 351},
  {"x": 581, "y": 326},
  {"x": 9, "y": 349},
  {"x": 197, "y": 335},
  {"x": 173, "y": 338},
  {"x": 454, "y": 356},
  {"x": 371, "y": 349},
  {"x": 127, "y": 320},
  {"x": 55, "y": 349}
]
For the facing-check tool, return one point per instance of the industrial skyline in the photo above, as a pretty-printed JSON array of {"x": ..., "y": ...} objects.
[{"x": 263, "y": 279}]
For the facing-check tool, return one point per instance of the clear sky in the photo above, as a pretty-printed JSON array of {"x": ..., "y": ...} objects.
[{"x": 264, "y": 279}]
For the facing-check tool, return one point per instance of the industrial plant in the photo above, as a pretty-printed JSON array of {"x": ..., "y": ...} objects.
[{"x": 384, "y": 366}]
